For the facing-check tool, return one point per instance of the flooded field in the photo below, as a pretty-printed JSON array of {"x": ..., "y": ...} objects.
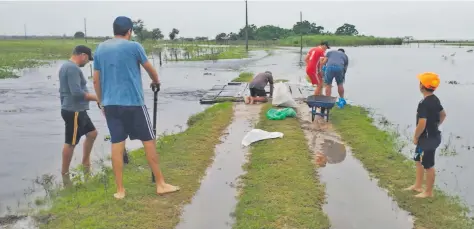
[
  {"x": 32, "y": 128},
  {"x": 382, "y": 78}
]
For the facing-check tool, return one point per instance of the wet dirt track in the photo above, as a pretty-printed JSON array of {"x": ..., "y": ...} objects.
[
  {"x": 380, "y": 77},
  {"x": 348, "y": 184},
  {"x": 215, "y": 201}
]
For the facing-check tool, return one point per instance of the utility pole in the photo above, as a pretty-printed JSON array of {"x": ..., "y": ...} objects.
[
  {"x": 301, "y": 32},
  {"x": 246, "y": 27},
  {"x": 85, "y": 30},
  {"x": 24, "y": 27}
]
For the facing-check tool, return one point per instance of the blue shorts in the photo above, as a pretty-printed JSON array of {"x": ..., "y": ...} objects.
[
  {"x": 128, "y": 121},
  {"x": 334, "y": 72}
]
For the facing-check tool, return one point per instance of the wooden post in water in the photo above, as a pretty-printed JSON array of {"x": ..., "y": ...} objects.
[
  {"x": 246, "y": 28},
  {"x": 85, "y": 30},
  {"x": 301, "y": 34}
]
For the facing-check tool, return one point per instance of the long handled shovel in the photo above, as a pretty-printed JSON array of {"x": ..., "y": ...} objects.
[{"x": 156, "y": 89}]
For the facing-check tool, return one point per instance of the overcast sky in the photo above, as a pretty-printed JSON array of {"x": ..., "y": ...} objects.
[{"x": 421, "y": 19}]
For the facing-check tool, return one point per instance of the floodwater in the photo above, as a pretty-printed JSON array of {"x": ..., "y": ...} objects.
[
  {"x": 383, "y": 78},
  {"x": 214, "y": 202},
  {"x": 32, "y": 128},
  {"x": 349, "y": 188}
]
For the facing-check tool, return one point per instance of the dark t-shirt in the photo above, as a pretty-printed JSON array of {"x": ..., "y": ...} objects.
[{"x": 430, "y": 108}]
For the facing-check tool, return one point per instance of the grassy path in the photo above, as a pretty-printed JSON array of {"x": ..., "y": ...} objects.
[
  {"x": 376, "y": 150},
  {"x": 184, "y": 159},
  {"x": 280, "y": 189}
]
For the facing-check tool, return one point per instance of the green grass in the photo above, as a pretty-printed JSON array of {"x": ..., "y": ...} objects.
[
  {"x": 184, "y": 158},
  {"x": 376, "y": 150},
  {"x": 19, "y": 54},
  {"x": 313, "y": 40},
  {"x": 235, "y": 52},
  {"x": 460, "y": 44},
  {"x": 281, "y": 187},
  {"x": 244, "y": 77}
]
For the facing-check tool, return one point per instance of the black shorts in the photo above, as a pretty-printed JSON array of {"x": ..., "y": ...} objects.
[
  {"x": 128, "y": 121},
  {"x": 254, "y": 92},
  {"x": 77, "y": 124},
  {"x": 425, "y": 151}
]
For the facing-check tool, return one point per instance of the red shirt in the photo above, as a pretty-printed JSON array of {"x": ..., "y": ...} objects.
[{"x": 314, "y": 55}]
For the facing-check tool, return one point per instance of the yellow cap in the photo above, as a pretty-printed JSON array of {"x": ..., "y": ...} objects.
[{"x": 429, "y": 80}]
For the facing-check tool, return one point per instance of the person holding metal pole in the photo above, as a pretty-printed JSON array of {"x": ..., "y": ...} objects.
[{"x": 118, "y": 86}]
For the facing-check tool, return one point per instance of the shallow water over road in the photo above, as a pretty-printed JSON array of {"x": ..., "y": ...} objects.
[
  {"x": 32, "y": 128},
  {"x": 215, "y": 201}
]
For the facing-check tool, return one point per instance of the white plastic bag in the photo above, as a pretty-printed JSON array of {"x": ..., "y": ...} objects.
[
  {"x": 256, "y": 135},
  {"x": 282, "y": 96}
]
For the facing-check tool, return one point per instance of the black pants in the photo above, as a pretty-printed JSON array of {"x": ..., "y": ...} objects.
[
  {"x": 426, "y": 149},
  {"x": 254, "y": 92},
  {"x": 77, "y": 124}
]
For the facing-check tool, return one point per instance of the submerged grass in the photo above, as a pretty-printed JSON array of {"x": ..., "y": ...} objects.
[
  {"x": 184, "y": 158},
  {"x": 376, "y": 149},
  {"x": 313, "y": 40},
  {"x": 281, "y": 187},
  {"x": 244, "y": 77}
]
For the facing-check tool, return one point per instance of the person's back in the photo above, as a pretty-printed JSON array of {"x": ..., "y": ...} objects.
[
  {"x": 430, "y": 108},
  {"x": 118, "y": 61},
  {"x": 72, "y": 86},
  {"x": 336, "y": 58},
  {"x": 261, "y": 80}
]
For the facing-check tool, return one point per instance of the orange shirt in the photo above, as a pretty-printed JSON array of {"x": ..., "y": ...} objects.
[{"x": 314, "y": 55}]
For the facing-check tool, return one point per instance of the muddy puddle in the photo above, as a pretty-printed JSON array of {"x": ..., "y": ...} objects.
[
  {"x": 214, "y": 202},
  {"x": 32, "y": 128},
  {"x": 353, "y": 199}
]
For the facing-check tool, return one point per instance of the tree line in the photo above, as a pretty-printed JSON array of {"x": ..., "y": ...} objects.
[{"x": 266, "y": 32}]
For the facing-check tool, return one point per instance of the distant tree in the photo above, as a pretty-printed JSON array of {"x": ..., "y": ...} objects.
[
  {"x": 156, "y": 34},
  {"x": 221, "y": 36},
  {"x": 201, "y": 38},
  {"x": 346, "y": 30},
  {"x": 138, "y": 28},
  {"x": 270, "y": 32},
  {"x": 408, "y": 39},
  {"x": 173, "y": 33},
  {"x": 251, "y": 32},
  {"x": 305, "y": 28},
  {"x": 79, "y": 34},
  {"x": 233, "y": 36}
]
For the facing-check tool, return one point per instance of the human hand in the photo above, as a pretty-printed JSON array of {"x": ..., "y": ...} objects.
[
  {"x": 155, "y": 86},
  {"x": 415, "y": 140}
]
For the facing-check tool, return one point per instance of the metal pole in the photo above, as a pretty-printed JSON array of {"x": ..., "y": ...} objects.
[
  {"x": 24, "y": 27},
  {"x": 301, "y": 39},
  {"x": 85, "y": 30},
  {"x": 246, "y": 27}
]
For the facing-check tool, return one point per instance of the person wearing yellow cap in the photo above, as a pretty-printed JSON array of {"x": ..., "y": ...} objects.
[{"x": 430, "y": 115}]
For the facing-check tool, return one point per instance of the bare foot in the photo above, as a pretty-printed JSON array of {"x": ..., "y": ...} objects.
[
  {"x": 247, "y": 100},
  {"x": 167, "y": 188},
  {"x": 414, "y": 188},
  {"x": 119, "y": 195},
  {"x": 424, "y": 195}
]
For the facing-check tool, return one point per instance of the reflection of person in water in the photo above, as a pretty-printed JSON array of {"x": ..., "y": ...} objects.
[{"x": 333, "y": 154}]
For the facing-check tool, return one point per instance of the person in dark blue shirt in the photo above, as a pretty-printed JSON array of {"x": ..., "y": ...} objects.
[{"x": 430, "y": 115}]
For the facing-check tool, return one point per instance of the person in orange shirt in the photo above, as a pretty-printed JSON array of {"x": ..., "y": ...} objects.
[{"x": 313, "y": 67}]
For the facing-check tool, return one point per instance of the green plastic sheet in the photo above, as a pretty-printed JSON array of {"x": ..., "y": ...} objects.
[{"x": 280, "y": 114}]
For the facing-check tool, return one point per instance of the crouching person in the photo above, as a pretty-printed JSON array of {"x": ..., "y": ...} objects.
[{"x": 257, "y": 88}]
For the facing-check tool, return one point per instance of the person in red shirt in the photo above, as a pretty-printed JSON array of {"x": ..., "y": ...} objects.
[{"x": 313, "y": 68}]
